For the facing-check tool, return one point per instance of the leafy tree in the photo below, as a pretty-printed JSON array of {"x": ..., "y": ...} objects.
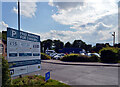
[
  {"x": 58, "y": 45},
  {"x": 4, "y": 35},
  {"x": 68, "y": 45},
  {"x": 79, "y": 44},
  {"x": 5, "y": 73},
  {"x": 0, "y": 35},
  {"x": 46, "y": 44}
]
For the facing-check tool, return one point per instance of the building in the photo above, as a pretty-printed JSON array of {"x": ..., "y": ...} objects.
[{"x": 70, "y": 50}]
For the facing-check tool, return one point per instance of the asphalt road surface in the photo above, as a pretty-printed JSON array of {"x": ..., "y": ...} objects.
[{"x": 81, "y": 75}]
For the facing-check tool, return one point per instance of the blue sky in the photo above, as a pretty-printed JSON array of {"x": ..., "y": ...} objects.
[{"x": 92, "y": 22}]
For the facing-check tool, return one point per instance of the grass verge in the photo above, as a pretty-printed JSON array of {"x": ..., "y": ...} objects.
[{"x": 36, "y": 80}]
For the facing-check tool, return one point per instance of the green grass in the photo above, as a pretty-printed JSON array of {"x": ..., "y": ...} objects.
[{"x": 36, "y": 81}]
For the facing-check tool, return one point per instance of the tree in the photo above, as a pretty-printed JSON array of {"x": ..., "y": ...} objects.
[
  {"x": 4, "y": 35},
  {"x": 5, "y": 73},
  {"x": 58, "y": 45},
  {"x": 0, "y": 35},
  {"x": 46, "y": 44},
  {"x": 68, "y": 45},
  {"x": 79, "y": 44}
]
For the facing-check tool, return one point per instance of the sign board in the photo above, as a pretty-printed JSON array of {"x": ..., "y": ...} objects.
[
  {"x": 47, "y": 76},
  {"x": 23, "y": 52}
]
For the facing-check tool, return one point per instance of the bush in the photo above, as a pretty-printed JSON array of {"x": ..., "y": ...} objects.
[
  {"x": 109, "y": 54},
  {"x": 79, "y": 58},
  {"x": 5, "y": 73},
  {"x": 45, "y": 56},
  {"x": 94, "y": 58}
]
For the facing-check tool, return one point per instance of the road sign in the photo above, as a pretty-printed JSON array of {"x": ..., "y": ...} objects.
[
  {"x": 23, "y": 52},
  {"x": 47, "y": 76}
]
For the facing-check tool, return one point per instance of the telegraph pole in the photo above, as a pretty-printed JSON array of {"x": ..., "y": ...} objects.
[
  {"x": 113, "y": 38},
  {"x": 18, "y": 15}
]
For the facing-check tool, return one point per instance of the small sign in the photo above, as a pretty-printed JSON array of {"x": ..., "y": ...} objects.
[
  {"x": 47, "y": 76},
  {"x": 11, "y": 71}
]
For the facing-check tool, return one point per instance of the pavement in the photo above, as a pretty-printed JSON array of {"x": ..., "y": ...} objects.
[
  {"x": 81, "y": 63},
  {"x": 81, "y": 76}
]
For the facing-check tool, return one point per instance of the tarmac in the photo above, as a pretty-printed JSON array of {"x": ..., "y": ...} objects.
[{"x": 81, "y": 63}]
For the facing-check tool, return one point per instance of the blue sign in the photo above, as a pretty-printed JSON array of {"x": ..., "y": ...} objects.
[
  {"x": 47, "y": 76},
  {"x": 12, "y": 33}
]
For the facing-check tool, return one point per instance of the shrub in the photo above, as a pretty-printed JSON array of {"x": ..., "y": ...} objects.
[
  {"x": 94, "y": 58},
  {"x": 5, "y": 73},
  {"x": 79, "y": 58},
  {"x": 45, "y": 56},
  {"x": 109, "y": 54}
]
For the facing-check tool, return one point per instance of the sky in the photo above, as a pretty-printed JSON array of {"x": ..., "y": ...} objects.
[{"x": 90, "y": 21}]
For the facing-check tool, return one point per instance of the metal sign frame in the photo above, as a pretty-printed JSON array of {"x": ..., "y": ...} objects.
[{"x": 23, "y": 52}]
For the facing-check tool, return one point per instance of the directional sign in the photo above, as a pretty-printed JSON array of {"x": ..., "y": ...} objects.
[
  {"x": 47, "y": 76},
  {"x": 23, "y": 52}
]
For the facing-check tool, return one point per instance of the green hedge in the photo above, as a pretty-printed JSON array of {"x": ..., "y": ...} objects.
[
  {"x": 79, "y": 58},
  {"x": 110, "y": 54},
  {"x": 45, "y": 56}
]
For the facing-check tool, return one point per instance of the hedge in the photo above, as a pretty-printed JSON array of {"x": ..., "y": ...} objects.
[
  {"x": 110, "y": 55},
  {"x": 80, "y": 58},
  {"x": 45, "y": 56}
]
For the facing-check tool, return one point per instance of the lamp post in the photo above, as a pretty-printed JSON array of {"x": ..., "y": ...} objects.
[
  {"x": 113, "y": 38},
  {"x": 18, "y": 15}
]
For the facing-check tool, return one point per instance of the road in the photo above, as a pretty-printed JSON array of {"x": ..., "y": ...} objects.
[{"x": 81, "y": 75}]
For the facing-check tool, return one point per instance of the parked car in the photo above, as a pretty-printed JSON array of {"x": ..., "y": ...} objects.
[
  {"x": 90, "y": 54},
  {"x": 58, "y": 56},
  {"x": 82, "y": 53},
  {"x": 53, "y": 54}
]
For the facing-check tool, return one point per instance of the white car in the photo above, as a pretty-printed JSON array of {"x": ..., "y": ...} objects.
[
  {"x": 53, "y": 54},
  {"x": 58, "y": 56},
  {"x": 90, "y": 54},
  {"x": 82, "y": 53}
]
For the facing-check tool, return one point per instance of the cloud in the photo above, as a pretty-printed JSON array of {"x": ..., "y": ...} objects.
[
  {"x": 28, "y": 9},
  {"x": 93, "y": 21},
  {"x": 3, "y": 26},
  {"x": 79, "y": 13},
  {"x": 98, "y": 32}
]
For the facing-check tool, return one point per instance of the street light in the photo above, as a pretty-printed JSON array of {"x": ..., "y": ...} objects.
[
  {"x": 113, "y": 38},
  {"x": 18, "y": 15}
]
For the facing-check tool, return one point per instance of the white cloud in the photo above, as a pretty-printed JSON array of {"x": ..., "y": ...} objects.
[
  {"x": 3, "y": 26},
  {"x": 94, "y": 21},
  {"x": 79, "y": 13},
  {"x": 98, "y": 32},
  {"x": 28, "y": 9}
]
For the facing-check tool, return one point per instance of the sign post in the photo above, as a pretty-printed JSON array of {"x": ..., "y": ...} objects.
[
  {"x": 23, "y": 52},
  {"x": 47, "y": 76}
]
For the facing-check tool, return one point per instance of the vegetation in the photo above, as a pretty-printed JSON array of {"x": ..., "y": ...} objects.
[
  {"x": 80, "y": 58},
  {"x": 45, "y": 56},
  {"x": 4, "y": 35},
  {"x": 57, "y": 44},
  {"x": 110, "y": 54},
  {"x": 36, "y": 80},
  {"x": 0, "y": 35},
  {"x": 5, "y": 73}
]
